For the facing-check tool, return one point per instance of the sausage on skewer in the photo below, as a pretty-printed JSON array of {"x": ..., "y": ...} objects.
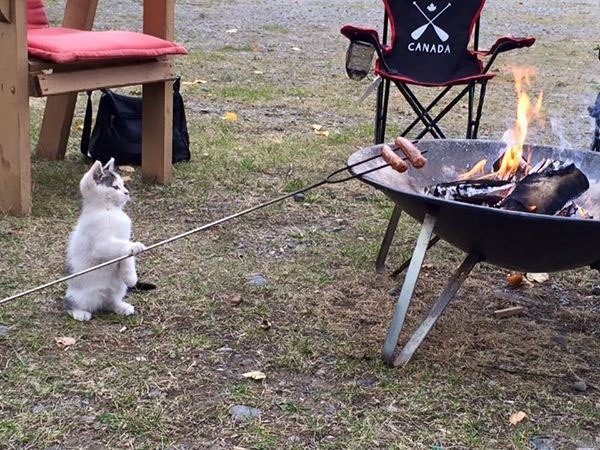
[
  {"x": 411, "y": 151},
  {"x": 392, "y": 159}
]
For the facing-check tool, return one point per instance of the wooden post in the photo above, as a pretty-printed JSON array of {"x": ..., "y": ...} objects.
[
  {"x": 58, "y": 114},
  {"x": 157, "y": 100},
  {"x": 15, "y": 171}
]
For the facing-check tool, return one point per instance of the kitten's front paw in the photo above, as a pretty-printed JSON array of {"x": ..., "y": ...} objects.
[
  {"x": 80, "y": 315},
  {"x": 124, "y": 309},
  {"x": 137, "y": 248}
]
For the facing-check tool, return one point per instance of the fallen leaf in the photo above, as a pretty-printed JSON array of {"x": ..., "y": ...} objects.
[
  {"x": 316, "y": 127},
  {"x": 517, "y": 417},
  {"x": 538, "y": 277},
  {"x": 515, "y": 279},
  {"x": 64, "y": 341},
  {"x": 258, "y": 72},
  {"x": 255, "y": 375},
  {"x": 197, "y": 81},
  {"x": 322, "y": 133},
  {"x": 232, "y": 30},
  {"x": 126, "y": 169},
  {"x": 230, "y": 117},
  {"x": 235, "y": 299},
  {"x": 296, "y": 49}
]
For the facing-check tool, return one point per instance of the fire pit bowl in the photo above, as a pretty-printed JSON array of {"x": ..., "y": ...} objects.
[{"x": 520, "y": 241}]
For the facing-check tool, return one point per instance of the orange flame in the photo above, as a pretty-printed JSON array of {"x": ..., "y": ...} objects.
[{"x": 526, "y": 111}]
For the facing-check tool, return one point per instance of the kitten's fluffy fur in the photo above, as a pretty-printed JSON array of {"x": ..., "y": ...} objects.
[{"x": 102, "y": 233}]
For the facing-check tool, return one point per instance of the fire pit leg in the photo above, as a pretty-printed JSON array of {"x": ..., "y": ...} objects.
[
  {"x": 452, "y": 286},
  {"x": 387, "y": 239},
  {"x": 434, "y": 240},
  {"x": 408, "y": 288}
]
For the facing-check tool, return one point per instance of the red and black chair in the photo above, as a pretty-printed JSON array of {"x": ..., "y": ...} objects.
[{"x": 429, "y": 45}]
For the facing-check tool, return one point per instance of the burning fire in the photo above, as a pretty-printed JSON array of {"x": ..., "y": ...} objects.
[
  {"x": 526, "y": 111},
  {"x": 512, "y": 159}
]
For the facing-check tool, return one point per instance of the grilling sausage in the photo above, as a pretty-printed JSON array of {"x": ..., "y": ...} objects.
[
  {"x": 392, "y": 159},
  {"x": 411, "y": 151}
]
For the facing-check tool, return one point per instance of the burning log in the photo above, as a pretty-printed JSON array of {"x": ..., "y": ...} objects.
[
  {"x": 548, "y": 189},
  {"x": 479, "y": 192}
]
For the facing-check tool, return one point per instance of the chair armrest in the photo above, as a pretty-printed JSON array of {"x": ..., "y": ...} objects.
[
  {"x": 507, "y": 43},
  {"x": 367, "y": 35},
  {"x": 80, "y": 14}
]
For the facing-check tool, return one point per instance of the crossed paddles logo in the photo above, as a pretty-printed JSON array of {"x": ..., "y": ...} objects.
[{"x": 418, "y": 32}]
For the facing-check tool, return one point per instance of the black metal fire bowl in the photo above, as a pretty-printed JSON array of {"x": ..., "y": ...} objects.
[{"x": 525, "y": 242}]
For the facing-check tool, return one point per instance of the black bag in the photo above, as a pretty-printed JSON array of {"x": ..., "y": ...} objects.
[{"x": 118, "y": 129}]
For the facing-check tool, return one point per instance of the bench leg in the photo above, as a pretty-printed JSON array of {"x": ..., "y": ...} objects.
[
  {"x": 157, "y": 131},
  {"x": 56, "y": 126},
  {"x": 15, "y": 163}
]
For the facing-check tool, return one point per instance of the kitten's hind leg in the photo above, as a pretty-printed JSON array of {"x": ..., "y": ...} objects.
[
  {"x": 80, "y": 315},
  {"x": 75, "y": 312},
  {"x": 127, "y": 271},
  {"x": 118, "y": 305}
]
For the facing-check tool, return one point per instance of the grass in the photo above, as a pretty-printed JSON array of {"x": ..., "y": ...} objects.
[{"x": 166, "y": 377}]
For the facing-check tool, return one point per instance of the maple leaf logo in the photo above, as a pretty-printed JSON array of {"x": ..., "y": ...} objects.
[{"x": 431, "y": 7}]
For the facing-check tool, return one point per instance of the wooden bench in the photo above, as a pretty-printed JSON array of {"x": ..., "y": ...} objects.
[{"x": 21, "y": 77}]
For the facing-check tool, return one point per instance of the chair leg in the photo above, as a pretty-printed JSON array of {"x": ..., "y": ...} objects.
[
  {"x": 470, "y": 111},
  {"x": 383, "y": 95},
  {"x": 56, "y": 126},
  {"x": 157, "y": 131},
  {"x": 15, "y": 163},
  {"x": 477, "y": 120},
  {"x": 387, "y": 239}
]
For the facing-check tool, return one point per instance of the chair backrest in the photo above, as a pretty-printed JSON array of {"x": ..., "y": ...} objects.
[
  {"x": 36, "y": 14},
  {"x": 429, "y": 39}
]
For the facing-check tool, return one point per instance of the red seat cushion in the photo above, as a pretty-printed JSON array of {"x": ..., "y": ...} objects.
[
  {"x": 67, "y": 45},
  {"x": 36, "y": 14}
]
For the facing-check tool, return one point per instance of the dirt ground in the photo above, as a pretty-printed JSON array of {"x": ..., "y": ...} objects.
[{"x": 291, "y": 290}]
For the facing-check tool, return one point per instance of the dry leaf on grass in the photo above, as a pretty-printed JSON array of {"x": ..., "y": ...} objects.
[
  {"x": 538, "y": 277},
  {"x": 230, "y": 116},
  {"x": 517, "y": 417},
  {"x": 319, "y": 131},
  {"x": 126, "y": 169},
  {"x": 196, "y": 81},
  {"x": 255, "y": 375},
  {"x": 296, "y": 49},
  {"x": 64, "y": 341},
  {"x": 514, "y": 279},
  {"x": 235, "y": 299}
]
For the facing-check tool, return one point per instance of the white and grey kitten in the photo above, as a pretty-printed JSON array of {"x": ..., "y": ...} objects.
[{"x": 102, "y": 233}]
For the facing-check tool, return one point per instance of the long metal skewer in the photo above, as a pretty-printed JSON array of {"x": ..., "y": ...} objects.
[{"x": 329, "y": 180}]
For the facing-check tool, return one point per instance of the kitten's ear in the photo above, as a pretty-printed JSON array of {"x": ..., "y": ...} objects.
[
  {"x": 92, "y": 177},
  {"x": 110, "y": 165}
]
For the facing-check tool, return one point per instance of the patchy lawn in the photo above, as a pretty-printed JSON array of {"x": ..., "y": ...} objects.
[{"x": 168, "y": 376}]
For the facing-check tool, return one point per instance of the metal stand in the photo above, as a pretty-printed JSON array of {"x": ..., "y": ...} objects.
[
  {"x": 414, "y": 268},
  {"x": 387, "y": 239},
  {"x": 408, "y": 287}
]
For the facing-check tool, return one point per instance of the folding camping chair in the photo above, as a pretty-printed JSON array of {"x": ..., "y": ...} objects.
[
  {"x": 428, "y": 46},
  {"x": 57, "y": 62}
]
